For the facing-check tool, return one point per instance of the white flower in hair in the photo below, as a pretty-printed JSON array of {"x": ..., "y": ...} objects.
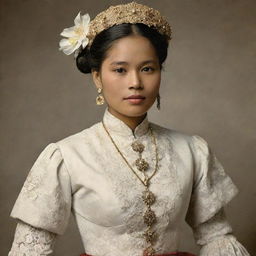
[{"x": 76, "y": 35}]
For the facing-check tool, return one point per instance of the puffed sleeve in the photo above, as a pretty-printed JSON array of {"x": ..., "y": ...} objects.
[
  {"x": 212, "y": 187},
  {"x": 212, "y": 190},
  {"x": 45, "y": 198}
]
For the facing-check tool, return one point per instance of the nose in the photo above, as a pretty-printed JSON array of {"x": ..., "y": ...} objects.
[{"x": 135, "y": 81}]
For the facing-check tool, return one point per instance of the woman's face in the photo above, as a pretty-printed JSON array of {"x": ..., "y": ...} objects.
[{"x": 130, "y": 70}]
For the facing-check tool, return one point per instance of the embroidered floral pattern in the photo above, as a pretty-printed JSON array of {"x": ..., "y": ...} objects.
[
  {"x": 46, "y": 193},
  {"x": 30, "y": 187},
  {"x": 212, "y": 188}
]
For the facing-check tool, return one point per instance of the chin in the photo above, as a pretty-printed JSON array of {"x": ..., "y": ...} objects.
[
  {"x": 135, "y": 112},
  {"x": 130, "y": 110}
]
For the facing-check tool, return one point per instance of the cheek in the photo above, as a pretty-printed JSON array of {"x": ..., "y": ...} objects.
[
  {"x": 158, "y": 78},
  {"x": 111, "y": 85},
  {"x": 154, "y": 84}
]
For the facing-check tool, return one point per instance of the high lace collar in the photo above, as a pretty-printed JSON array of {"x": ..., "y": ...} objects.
[{"x": 117, "y": 126}]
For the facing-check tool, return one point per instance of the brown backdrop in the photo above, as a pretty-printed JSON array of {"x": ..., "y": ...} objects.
[{"x": 208, "y": 88}]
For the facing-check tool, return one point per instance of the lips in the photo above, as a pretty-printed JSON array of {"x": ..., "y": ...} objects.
[{"x": 135, "y": 97}]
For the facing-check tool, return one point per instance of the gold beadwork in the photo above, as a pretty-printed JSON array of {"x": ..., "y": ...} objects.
[
  {"x": 150, "y": 236},
  {"x": 144, "y": 182},
  {"x": 149, "y": 217},
  {"x": 148, "y": 197},
  {"x": 141, "y": 164},
  {"x": 137, "y": 146},
  {"x": 128, "y": 13}
]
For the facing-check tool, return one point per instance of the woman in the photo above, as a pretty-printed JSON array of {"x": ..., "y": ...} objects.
[{"x": 130, "y": 183}]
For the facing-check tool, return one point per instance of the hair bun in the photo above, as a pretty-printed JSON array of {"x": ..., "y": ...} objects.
[{"x": 83, "y": 61}]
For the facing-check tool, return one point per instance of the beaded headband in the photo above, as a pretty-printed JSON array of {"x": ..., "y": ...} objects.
[{"x": 84, "y": 31}]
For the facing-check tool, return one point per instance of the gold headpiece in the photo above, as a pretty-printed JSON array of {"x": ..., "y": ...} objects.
[
  {"x": 84, "y": 31},
  {"x": 128, "y": 13}
]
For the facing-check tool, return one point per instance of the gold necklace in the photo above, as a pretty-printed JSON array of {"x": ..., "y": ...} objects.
[{"x": 148, "y": 197}]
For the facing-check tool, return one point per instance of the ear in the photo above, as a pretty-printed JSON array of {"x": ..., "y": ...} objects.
[{"x": 97, "y": 78}]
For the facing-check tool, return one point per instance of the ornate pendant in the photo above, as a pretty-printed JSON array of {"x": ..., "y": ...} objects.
[
  {"x": 141, "y": 164},
  {"x": 150, "y": 236},
  {"x": 149, "y": 217},
  {"x": 137, "y": 146},
  {"x": 148, "y": 197}
]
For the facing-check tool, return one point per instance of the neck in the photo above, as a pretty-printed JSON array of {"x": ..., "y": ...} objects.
[{"x": 131, "y": 121}]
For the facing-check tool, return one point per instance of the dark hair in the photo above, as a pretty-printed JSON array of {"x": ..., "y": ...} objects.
[{"x": 92, "y": 58}]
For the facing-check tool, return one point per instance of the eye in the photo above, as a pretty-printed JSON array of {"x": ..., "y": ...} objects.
[
  {"x": 148, "y": 69},
  {"x": 119, "y": 70}
]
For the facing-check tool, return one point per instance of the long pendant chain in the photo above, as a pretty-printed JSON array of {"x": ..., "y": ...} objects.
[{"x": 148, "y": 197}]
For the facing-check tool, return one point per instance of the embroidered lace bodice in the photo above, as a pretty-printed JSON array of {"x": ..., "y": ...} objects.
[{"x": 84, "y": 173}]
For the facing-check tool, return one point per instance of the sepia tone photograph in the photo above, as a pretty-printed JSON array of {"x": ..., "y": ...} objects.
[{"x": 128, "y": 128}]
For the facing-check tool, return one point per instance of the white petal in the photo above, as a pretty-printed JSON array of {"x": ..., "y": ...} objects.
[
  {"x": 67, "y": 50},
  {"x": 85, "y": 19},
  {"x": 85, "y": 42},
  {"x": 78, "y": 19},
  {"x": 67, "y": 47},
  {"x": 68, "y": 32},
  {"x": 64, "y": 43},
  {"x": 86, "y": 30},
  {"x": 77, "y": 46}
]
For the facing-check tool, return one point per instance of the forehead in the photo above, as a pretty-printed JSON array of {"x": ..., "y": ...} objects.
[{"x": 131, "y": 49}]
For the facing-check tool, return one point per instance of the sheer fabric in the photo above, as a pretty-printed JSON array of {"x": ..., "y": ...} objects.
[
  {"x": 31, "y": 241},
  {"x": 215, "y": 237}
]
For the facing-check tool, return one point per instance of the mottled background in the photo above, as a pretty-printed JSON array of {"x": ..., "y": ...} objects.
[{"x": 208, "y": 88}]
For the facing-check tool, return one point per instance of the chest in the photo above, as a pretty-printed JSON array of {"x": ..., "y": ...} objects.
[{"x": 107, "y": 192}]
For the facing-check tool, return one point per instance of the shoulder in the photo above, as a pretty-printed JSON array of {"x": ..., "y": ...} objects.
[
  {"x": 175, "y": 136},
  {"x": 84, "y": 136},
  {"x": 76, "y": 145},
  {"x": 195, "y": 142}
]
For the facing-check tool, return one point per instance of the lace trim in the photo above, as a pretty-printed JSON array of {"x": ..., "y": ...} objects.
[
  {"x": 31, "y": 241},
  {"x": 226, "y": 245}
]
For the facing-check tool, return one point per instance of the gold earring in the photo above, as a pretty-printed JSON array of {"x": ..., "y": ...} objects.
[
  {"x": 100, "y": 99},
  {"x": 158, "y": 101}
]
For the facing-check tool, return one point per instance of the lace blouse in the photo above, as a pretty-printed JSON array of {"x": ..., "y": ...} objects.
[{"x": 85, "y": 173}]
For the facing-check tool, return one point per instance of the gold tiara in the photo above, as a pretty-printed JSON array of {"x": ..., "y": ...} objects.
[
  {"x": 84, "y": 31},
  {"x": 128, "y": 13}
]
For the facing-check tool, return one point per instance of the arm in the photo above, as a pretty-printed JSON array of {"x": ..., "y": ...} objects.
[
  {"x": 212, "y": 190},
  {"x": 43, "y": 206},
  {"x": 31, "y": 241}
]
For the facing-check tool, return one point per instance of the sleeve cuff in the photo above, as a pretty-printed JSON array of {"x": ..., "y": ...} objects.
[{"x": 224, "y": 246}]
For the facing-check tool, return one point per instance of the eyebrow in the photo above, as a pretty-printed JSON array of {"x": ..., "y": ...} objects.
[{"x": 125, "y": 63}]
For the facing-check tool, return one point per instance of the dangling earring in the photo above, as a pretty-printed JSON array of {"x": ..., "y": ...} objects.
[
  {"x": 158, "y": 101},
  {"x": 100, "y": 99}
]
